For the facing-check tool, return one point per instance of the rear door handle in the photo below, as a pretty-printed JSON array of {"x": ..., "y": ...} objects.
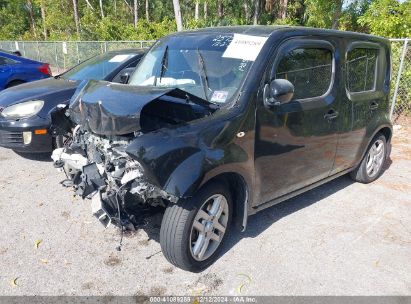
[
  {"x": 373, "y": 105},
  {"x": 331, "y": 114}
]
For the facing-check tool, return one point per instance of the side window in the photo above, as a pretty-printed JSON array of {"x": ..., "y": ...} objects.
[
  {"x": 6, "y": 61},
  {"x": 308, "y": 69},
  {"x": 361, "y": 69}
]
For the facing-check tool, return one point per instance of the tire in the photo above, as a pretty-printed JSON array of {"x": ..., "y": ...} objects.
[
  {"x": 14, "y": 83},
  {"x": 59, "y": 141},
  {"x": 182, "y": 222},
  {"x": 374, "y": 158}
]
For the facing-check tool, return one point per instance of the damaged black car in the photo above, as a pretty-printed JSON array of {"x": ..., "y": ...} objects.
[{"x": 218, "y": 124}]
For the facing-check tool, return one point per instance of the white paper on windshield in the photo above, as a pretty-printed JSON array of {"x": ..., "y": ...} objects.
[
  {"x": 167, "y": 81},
  {"x": 219, "y": 96},
  {"x": 119, "y": 58},
  {"x": 245, "y": 47}
]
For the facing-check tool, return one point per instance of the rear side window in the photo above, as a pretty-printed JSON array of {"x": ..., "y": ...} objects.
[
  {"x": 6, "y": 61},
  {"x": 361, "y": 69},
  {"x": 308, "y": 69}
]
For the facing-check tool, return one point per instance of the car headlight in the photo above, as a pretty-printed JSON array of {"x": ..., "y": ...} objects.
[{"x": 23, "y": 110}]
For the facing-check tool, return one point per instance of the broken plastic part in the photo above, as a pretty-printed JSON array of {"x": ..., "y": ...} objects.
[{"x": 98, "y": 210}]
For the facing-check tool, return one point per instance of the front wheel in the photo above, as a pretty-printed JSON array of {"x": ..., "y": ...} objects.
[
  {"x": 193, "y": 230},
  {"x": 371, "y": 166},
  {"x": 60, "y": 141}
]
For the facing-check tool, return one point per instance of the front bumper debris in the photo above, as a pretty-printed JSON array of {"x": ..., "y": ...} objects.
[
  {"x": 99, "y": 211},
  {"x": 98, "y": 169}
]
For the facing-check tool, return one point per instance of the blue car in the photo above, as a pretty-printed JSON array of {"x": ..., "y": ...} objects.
[{"x": 15, "y": 70}]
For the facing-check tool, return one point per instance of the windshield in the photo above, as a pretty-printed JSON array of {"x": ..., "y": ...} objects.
[
  {"x": 197, "y": 64},
  {"x": 98, "y": 67}
]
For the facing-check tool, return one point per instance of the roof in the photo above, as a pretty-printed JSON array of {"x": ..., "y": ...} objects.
[
  {"x": 257, "y": 30},
  {"x": 267, "y": 30}
]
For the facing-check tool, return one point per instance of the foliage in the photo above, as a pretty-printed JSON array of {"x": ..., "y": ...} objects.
[
  {"x": 13, "y": 19},
  {"x": 390, "y": 18},
  {"x": 320, "y": 13}
]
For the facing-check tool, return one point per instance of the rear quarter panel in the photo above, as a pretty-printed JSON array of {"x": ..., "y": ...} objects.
[
  {"x": 379, "y": 118},
  {"x": 26, "y": 72}
]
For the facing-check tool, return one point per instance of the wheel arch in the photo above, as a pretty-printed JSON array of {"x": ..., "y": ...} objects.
[
  {"x": 17, "y": 81},
  {"x": 239, "y": 191},
  {"x": 386, "y": 131}
]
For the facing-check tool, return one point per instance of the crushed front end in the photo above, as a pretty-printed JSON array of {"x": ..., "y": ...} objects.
[
  {"x": 98, "y": 168},
  {"x": 95, "y": 160}
]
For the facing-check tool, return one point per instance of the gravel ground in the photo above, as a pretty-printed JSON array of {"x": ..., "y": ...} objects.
[{"x": 342, "y": 238}]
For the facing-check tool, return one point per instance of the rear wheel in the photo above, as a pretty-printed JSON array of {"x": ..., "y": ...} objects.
[
  {"x": 193, "y": 230},
  {"x": 14, "y": 83},
  {"x": 371, "y": 166}
]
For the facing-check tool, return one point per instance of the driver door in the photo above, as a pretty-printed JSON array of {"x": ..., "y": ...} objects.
[{"x": 296, "y": 141}]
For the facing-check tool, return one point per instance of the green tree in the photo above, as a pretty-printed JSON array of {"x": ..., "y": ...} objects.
[
  {"x": 14, "y": 22},
  {"x": 323, "y": 13},
  {"x": 121, "y": 19},
  {"x": 388, "y": 18}
]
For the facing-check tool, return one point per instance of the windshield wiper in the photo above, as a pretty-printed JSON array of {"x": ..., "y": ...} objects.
[
  {"x": 164, "y": 65},
  {"x": 204, "y": 77}
]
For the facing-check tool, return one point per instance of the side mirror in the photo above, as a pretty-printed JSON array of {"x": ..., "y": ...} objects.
[
  {"x": 279, "y": 91},
  {"x": 124, "y": 77}
]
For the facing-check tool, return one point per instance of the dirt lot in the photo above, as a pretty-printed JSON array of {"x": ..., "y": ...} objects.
[{"x": 342, "y": 238}]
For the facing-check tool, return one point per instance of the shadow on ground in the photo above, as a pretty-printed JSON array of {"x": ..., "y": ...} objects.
[
  {"x": 259, "y": 222},
  {"x": 43, "y": 157}
]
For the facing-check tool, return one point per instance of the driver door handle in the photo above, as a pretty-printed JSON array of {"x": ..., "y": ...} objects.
[{"x": 331, "y": 114}]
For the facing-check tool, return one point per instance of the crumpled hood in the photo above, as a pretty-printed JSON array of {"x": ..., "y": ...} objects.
[
  {"x": 106, "y": 108},
  {"x": 35, "y": 90}
]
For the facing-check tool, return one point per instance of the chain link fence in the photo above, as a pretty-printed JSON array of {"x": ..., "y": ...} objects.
[
  {"x": 62, "y": 55},
  {"x": 401, "y": 79}
]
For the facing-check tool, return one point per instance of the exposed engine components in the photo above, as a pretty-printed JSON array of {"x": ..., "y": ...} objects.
[{"x": 98, "y": 168}]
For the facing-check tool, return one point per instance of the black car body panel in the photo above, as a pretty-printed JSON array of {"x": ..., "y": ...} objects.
[
  {"x": 106, "y": 108},
  {"x": 48, "y": 89},
  {"x": 272, "y": 151},
  {"x": 11, "y": 135},
  {"x": 53, "y": 91}
]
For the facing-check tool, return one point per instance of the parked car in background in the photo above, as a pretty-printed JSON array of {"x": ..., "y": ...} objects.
[
  {"x": 15, "y": 70},
  {"x": 16, "y": 52},
  {"x": 25, "y": 111},
  {"x": 220, "y": 123}
]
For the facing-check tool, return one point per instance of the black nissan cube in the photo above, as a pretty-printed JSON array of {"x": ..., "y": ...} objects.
[{"x": 217, "y": 124}]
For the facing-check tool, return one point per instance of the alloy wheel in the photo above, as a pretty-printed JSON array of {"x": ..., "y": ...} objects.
[
  {"x": 375, "y": 158},
  {"x": 209, "y": 227}
]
